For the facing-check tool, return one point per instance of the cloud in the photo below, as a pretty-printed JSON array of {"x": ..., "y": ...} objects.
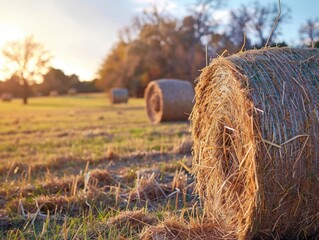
[
  {"x": 222, "y": 16},
  {"x": 162, "y": 5}
]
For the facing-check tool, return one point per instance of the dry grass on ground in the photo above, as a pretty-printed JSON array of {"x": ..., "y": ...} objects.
[{"x": 78, "y": 167}]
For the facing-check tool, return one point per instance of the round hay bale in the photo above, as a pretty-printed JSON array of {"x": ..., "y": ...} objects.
[
  {"x": 169, "y": 100},
  {"x": 72, "y": 91},
  {"x": 54, "y": 93},
  {"x": 118, "y": 95},
  {"x": 6, "y": 97},
  {"x": 256, "y": 142}
]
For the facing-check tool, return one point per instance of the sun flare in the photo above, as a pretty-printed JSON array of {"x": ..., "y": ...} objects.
[{"x": 8, "y": 33}]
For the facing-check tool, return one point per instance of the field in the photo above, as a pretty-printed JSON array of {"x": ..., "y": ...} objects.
[{"x": 77, "y": 167}]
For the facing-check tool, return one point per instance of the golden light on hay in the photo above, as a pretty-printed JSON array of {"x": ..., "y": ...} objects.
[{"x": 256, "y": 128}]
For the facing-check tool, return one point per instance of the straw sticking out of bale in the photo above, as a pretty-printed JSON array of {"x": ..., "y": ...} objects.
[
  {"x": 169, "y": 100},
  {"x": 256, "y": 130},
  {"x": 6, "y": 97},
  {"x": 119, "y": 95}
]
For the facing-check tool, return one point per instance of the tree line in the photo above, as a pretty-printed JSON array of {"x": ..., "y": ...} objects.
[
  {"x": 53, "y": 80},
  {"x": 32, "y": 75},
  {"x": 157, "y": 45}
]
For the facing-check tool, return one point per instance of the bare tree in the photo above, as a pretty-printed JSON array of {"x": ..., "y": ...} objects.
[
  {"x": 262, "y": 21},
  {"x": 310, "y": 31},
  {"x": 28, "y": 60},
  {"x": 239, "y": 26},
  {"x": 203, "y": 14},
  {"x": 258, "y": 22}
]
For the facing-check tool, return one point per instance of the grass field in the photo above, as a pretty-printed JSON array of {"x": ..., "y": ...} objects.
[{"x": 77, "y": 167}]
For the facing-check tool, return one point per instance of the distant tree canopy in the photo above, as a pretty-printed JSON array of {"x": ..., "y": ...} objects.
[
  {"x": 159, "y": 46},
  {"x": 53, "y": 80},
  {"x": 56, "y": 80},
  {"x": 309, "y": 33},
  {"x": 163, "y": 48}
]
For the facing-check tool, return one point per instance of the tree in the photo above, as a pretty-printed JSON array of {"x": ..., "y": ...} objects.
[
  {"x": 28, "y": 60},
  {"x": 257, "y": 21},
  {"x": 56, "y": 79},
  {"x": 12, "y": 86},
  {"x": 159, "y": 46},
  {"x": 263, "y": 19},
  {"x": 309, "y": 32},
  {"x": 202, "y": 12},
  {"x": 239, "y": 25},
  {"x": 112, "y": 70}
]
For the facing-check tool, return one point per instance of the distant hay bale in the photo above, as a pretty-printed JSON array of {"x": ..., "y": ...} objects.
[
  {"x": 118, "y": 95},
  {"x": 6, "y": 97},
  {"x": 72, "y": 91},
  {"x": 169, "y": 100},
  {"x": 256, "y": 142},
  {"x": 54, "y": 93}
]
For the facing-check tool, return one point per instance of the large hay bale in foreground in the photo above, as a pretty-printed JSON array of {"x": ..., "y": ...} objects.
[
  {"x": 118, "y": 95},
  {"x": 6, "y": 97},
  {"x": 169, "y": 100},
  {"x": 256, "y": 146}
]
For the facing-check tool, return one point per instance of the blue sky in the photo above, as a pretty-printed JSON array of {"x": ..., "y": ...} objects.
[{"x": 79, "y": 33}]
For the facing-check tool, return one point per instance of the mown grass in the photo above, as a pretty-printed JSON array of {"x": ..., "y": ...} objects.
[{"x": 77, "y": 167}]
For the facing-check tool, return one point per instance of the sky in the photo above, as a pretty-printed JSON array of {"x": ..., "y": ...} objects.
[{"x": 80, "y": 33}]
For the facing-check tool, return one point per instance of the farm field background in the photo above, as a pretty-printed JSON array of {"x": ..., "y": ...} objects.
[{"x": 77, "y": 167}]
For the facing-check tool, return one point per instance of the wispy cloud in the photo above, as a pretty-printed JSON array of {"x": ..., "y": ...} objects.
[
  {"x": 162, "y": 5},
  {"x": 222, "y": 16}
]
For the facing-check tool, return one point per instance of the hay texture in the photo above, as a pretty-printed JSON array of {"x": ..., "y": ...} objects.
[
  {"x": 169, "y": 100},
  {"x": 256, "y": 146},
  {"x": 178, "y": 229},
  {"x": 118, "y": 95},
  {"x": 6, "y": 97}
]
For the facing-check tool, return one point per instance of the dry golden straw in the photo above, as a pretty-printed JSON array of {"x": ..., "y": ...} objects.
[
  {"x": 169, "y": 100},
  {"x": 256, "y": 146}
]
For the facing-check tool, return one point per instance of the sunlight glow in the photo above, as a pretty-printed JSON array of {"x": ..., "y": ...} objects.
[
  {"x": 162, "y": 5},
  {"x": 8, "y": 33}
]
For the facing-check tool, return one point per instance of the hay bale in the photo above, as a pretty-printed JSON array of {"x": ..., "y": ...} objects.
[
  {"x": 118, "y": 95},
  {"x": 72, "y": 91},
  {"x": 169, "y": 100},
  {"x": 6, "y": 97},
  {"x": 54, "y": 93},
  {"x": 256, "y": 142}
]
